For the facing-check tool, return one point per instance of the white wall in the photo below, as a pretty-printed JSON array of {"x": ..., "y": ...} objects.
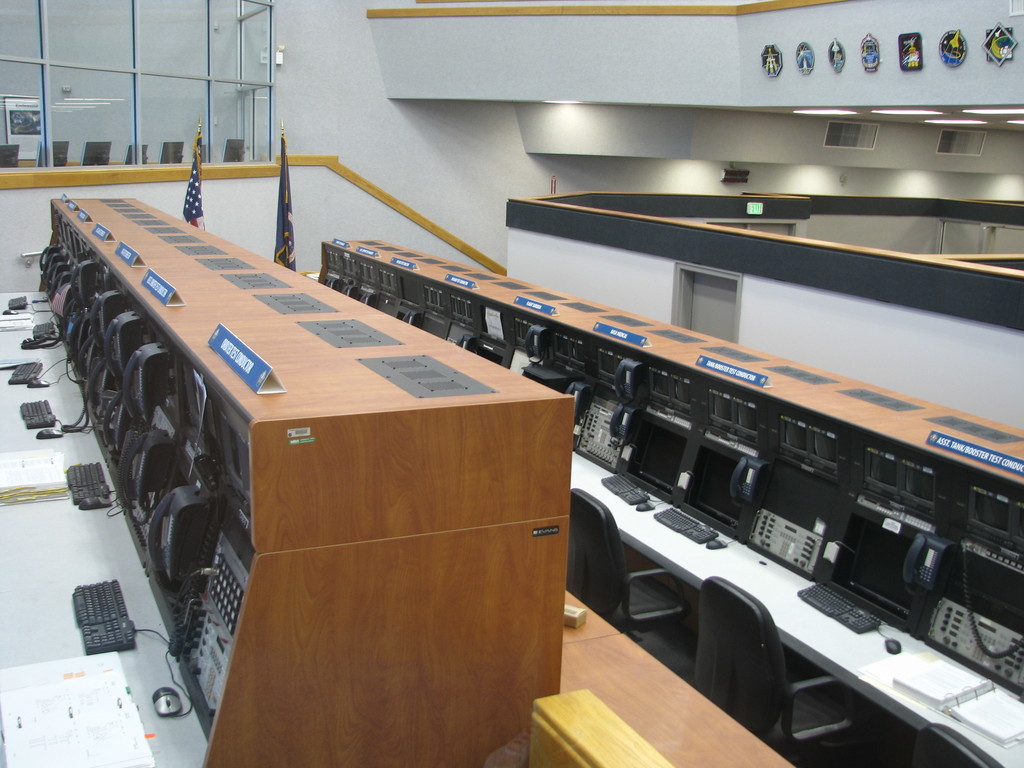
[{"x": 972, "y": 367}]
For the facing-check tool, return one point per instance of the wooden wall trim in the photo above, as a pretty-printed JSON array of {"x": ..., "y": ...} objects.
[{"x": 595, "y": 10}]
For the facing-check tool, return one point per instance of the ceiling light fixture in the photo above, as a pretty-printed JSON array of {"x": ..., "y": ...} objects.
[
  {"x": 823, "y": 112},
  {"x": 957, "y": 122},
  {"x": 1007, "y": 111},
  {"x": 906, "y": 112},
  {"x": 561, "y": 101}
]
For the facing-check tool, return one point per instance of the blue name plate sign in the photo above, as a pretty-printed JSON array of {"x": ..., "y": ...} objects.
[
  {"x": 460, "y": 281},
  {"x": 536, "y": 306},
  {"x": 340, "y": 243},
  {"x": 82, "y": 215},
  {"x": 72, "y": 205},
  {"x": 977, "y": 452},
  {"x": 64, "y": 197},
  {"x": 720, "y": 366},
  {"x": 367, "y": 252},
  {"x": 129, "y": 255},
  {"x": 250, "y": 367},
  {"x": 102, "y": 233},
  {"x": 617, "y": 333},
  {"x": 403, "y": 263},
  {"x": 163, "y": 290}
]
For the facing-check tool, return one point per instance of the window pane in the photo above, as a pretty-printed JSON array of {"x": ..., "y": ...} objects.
[
  {"x": 19, "y": 31},
  {"x": 98, "y": 32},
  {"x": 242, "y": 112},
  {"x": 20, "y": 89},
  {"x": 90, "y": 110},
  {"x": 170, "y": 110},
  {"x": 255, "y": 42},
  {"x": 172, "y": 36},
  {"x": 224, "y": 59}
]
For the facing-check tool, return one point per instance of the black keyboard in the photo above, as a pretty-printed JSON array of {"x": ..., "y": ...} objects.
[
  {"x": 44, "y": 330},
  {"x": 21, "y": 302},
  {"x": 686, "y": 525},
  {"x": 86, "y": 481},
  {"x": 625, "y": 489},
  {"x": 834, "y": 605},
  {"x": 37, "y": 414},
  {"x": 25, "y": 372},
  {"x": 103, "y": 617}
]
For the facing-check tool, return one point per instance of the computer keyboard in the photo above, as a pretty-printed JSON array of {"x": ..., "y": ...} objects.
[
  {"x": 37, "y": 414},
  {"x": 20, "y": 302},
  {"x": 686, "y": 525},
  {"x": 625, "y": 489},
  {"x": 44, "y": 330},
  {"x": 88, "y": 485},
  {"x": 25, "y": 372},
  {"x": 835, "y": 606},
  {"x": 103, "y": 617}
]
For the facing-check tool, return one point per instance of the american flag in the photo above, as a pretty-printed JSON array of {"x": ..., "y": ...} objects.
[{"x": 193, "y": 210}]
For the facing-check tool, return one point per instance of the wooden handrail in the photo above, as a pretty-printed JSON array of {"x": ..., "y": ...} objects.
[
  {"x": 39, "y": 178},
  {"x": 595, "y": 10}
]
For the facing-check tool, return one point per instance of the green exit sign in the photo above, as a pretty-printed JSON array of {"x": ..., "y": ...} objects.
[{"x": 755, "y": 209}]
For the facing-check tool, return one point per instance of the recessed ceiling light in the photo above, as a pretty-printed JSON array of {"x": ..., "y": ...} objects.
[
  {"x": 823, "y": 112},
  {"x": 957, "y": 122},
  {"x": 1015, "y": 122},
  {"x": 560, "y": 101},
  {"x": 906, "y": 112},
  {"x": 1008, "y": 111}
]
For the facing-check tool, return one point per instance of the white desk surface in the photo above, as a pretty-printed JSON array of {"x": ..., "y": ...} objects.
[
  {"x": 48, "y": 548},
  {"x": 810, "y": 633}
]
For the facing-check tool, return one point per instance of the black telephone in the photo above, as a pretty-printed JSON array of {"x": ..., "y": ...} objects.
[
  {"x": 623, "y": 422},
  {"x": 122, "y": 337},
  {"x": 748, "y": 478},
  {"x": 582, "y": 394},
  {"x": 630, "y": 378},
  {"x": 537, "y": 342},
  {"x": 178, "y": 532},
  {"x": 921, "y": 565},
  {"x": 145, "y": 383},
  {"x": 145, "y": 468}
]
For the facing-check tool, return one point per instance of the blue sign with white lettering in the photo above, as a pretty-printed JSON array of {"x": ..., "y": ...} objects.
[
  {"x": 72, "y": 205},
  {"x": 128, "y": 254},
  {"x": 101, "y": 233},
  {"x": 163, "y": 290},
  {"x": 82, "y": 215},
  {"x": 403, "y": 263},
  {"x": 340, "y": 243},
  {"x": 249, "y": 366},
  {"x": 720, "y": 366},
  {"x": 461, "y": 281},
  {"x": 64, "y": 197},
  {"x": 535, "y": 305},
  {"x": 367, "y": 251},
  {"x": 977, "y": 452},
  {"x": 617, "y": 333}
]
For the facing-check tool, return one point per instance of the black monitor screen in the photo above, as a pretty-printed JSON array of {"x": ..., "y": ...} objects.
[
  {"x": 96, "y": 153},
  {"x": 798, "y": 496},
  {"x": 9, "y": 155},
  {"x": 435, "y": 324},
  {"x": 880, "y": 470},
  {"x": 657, "y": 456},
  {"x": 711, "y": 495},
  {"x": 989, "y": 510},
  {"x": 874, "y": 569},
  {"x": 234, "y": 150}
]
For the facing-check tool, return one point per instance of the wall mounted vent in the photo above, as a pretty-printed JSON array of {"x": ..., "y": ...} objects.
[
  {"x": 1017, "y": 7},
  {"x": 846, "y": 135},
  {"x": 960, "y": 142}
]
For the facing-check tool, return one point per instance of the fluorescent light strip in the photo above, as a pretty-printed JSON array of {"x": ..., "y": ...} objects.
[
  {"x": 1007, "y": 111},
  {"x": 957, "y": 122},
  {"x": 823, "y": 112},
  {"x": 908, "y": 112}
]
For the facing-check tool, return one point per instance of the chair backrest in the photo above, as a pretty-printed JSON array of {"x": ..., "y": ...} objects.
[
  {"x": 739, "y": 664},
  {"x": 939, "y": 744},
  {"x": 596, "y": 569}
]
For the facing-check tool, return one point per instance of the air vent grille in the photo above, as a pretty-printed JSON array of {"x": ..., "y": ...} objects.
[
  {"x": 846, "y": 135},
  {"x": 961, "y": 143},
  {"x": 1017, "y": 7},
  {"x": 422, "y": 376}
]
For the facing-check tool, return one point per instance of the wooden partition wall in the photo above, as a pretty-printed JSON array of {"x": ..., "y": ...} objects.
[{"x": 404, "y": 595}]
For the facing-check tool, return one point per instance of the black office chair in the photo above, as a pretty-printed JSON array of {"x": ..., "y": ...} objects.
[
  {"x": 741, "y": 667},
  {"x": 597, "y": 572},
  {"x": 938, "y": 744}
]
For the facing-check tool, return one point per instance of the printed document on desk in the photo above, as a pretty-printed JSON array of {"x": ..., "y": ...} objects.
[
  {"x": 73, "y": 713},
  {"x": 32, "y": 476}
]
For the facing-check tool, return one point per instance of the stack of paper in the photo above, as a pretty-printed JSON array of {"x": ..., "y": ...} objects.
[
  {"x": 75, "y": 713},
  {"x": 32, "y": 476},
  {"x": 19, "y": 322}
]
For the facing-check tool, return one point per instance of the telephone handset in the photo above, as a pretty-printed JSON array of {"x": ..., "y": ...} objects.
[
  {"x": 178, "y": 532},
  {"x": 538, "y": 340},
  {"x": 921, "y": 565},
  {"x": 145, "y": 382},
  {"x": 148, "y": 464},
  {"x": 582, "y": 394},
  {"x": 748, "y": 478},
  {"x": 622, "y": 425},
  {"x": 122, "y": 337},
  {"x": 630, "y": 378}
]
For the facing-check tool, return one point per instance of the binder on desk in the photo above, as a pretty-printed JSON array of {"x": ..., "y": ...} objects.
[
  {"x": 32, "y": 476},
  {"x": 941, "y": 685}
]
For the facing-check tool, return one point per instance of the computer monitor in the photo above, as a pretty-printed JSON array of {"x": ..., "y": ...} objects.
[
  {"x": 435, "y": 324},
  {"x": 899, "y": 478},
  {"x": 657, "y": 456},
  {"x": 710, "y": 492},
  {"x": 60, "y": 153},
  {"x": 96, "y": 153},
  {"x": 171, "y": 151},
  {"x": 9, "y": 155},
  {"x": 801, "y": 498},
  {"x": 869, "y": 565},
  {"x": 234, "y": 150}
]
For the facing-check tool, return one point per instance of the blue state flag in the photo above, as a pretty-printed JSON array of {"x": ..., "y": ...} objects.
[{"x": 284, "y": 250}]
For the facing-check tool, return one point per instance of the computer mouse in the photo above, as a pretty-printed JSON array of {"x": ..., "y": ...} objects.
[
  {"x": 94, "y": 502},
  {"x": 167, "y": 702},
  {"x": 892, "y": 645},
  {"x": 49, "y": 433},
  {"x": 716, "y": 544},
  {"x": 644, "y": 506},
  {"x": 37, "y": 384}
]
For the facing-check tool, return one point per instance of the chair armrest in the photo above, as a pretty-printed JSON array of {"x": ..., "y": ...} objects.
[
  {"x": 803, "y": 687},
  {"x": 677, "y": 608}
]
